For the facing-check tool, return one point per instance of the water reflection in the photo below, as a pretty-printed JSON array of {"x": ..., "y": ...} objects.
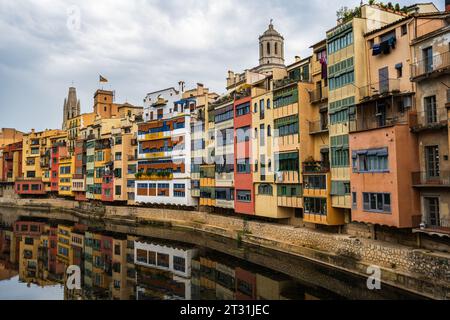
[{"x": 125, "y": 266}]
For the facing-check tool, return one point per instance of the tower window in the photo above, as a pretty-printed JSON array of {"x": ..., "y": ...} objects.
[
  {"x": 268, "y": 48},
  {"x": 276, "y": 48}
]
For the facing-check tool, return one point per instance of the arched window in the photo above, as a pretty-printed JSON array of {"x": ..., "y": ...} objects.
[
  {"x": 268, "y": 47},
  {"x": 255, "y": 108},
  {"x": 269, "y": 132},
  {"x": 276, "y": 48},
  {"x": 261, "y": 49},
  {"x": 268, "y": 103}
]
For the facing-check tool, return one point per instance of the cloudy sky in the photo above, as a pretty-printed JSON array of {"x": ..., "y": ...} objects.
[{"x": 140, "y": 46}]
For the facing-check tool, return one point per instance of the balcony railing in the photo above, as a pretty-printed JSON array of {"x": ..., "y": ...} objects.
[
  {"x": 376, "y": 122},
  {"x": 431, "y": 119},
  {"x": 437, "y": 179},
  {"x": 381, "y": 88},
  {"x": 318, "y": 95},
  {"x": 315, "y": 167},
  {"x": 437, "y": 63},
  {"x": 318, "y": 126},
  {"x": 437, "y": 224},
  {"x": 283, "y": 82}
]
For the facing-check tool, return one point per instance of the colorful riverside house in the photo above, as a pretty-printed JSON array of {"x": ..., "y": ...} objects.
[
  {"x": 315, "y": 168},
  {"x": 164, "y": 163},
  {"x": 244, "y": 192},
  {"x": 66, "y": 171},
  {"x": 347, "y": 70},
  {"x": 58, "y": 150},
  {"x": 35, "y": 163},
  {"x": 202, "y": 98},
  {"x": 384, "y": 151},
  {"x": 79, "y": 176},
  {"x": 10, "y": 166},
  {"x": 429, "y": 34}
]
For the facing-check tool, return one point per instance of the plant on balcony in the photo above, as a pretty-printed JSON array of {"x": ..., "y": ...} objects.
[{"x": 138, "y": 175}]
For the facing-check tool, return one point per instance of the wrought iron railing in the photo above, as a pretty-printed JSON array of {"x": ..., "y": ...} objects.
[
  {"x": 380, "y": 88},
  {"x": 315, "y": 167},
  {"x": 318, "y": 126},
  {"x": 435, "y": 178},
  {"x": 426, "y": 66}
]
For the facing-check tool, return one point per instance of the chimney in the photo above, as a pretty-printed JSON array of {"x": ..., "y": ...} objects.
[
  {"x": 200, "y": 88},
  {"x": 447, "y": 5}
]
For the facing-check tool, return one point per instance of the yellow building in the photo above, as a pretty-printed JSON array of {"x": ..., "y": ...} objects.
[
  {"x": 9, "y": 135},
  {"x": 75, "y": 125},
  {"x": 66, "y": 171}
]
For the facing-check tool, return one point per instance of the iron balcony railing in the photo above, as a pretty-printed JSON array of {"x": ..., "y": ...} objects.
[
  {"x": 318, "y": 95},
  {"x": 384, "y": 87},
  {"x": 315, "y": 167},
  {"x": 433, "y": 118},
  {"x": 318, "y": 126},
  {"x": 375, "y": 122},
  {"x": 433, "y": 179},
  {"x": 436, "y": 63},
  {"x": 436, "y": 223}
]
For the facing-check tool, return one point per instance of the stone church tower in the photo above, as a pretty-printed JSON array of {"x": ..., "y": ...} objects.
[
  {"x": 271, "y": 50},
  {"x": 71, "y": 107}
]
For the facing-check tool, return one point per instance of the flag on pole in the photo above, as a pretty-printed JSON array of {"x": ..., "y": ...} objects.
[{"x": 103, "y": 79}]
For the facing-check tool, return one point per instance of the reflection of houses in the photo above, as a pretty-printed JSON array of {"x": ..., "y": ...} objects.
[{"x": 176, "y": 260}]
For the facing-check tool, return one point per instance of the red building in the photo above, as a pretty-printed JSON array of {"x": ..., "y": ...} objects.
[
  {"x": 245, "y": 285},
  {"x": 58, "y": 151},
  {"x": 78, "y": 179},
  {"x": 30, "y": 187},
  {"x": 244, "y": 198},
  {"x": 9, "y": 152}
]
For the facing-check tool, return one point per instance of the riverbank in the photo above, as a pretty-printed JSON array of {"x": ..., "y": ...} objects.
[{"x": 419, "y": 271}]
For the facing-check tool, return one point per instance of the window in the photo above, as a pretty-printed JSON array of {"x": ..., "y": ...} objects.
[
  {"x": 268, "y": 48},
  {"x": 163, "y": 260},
  {"x": 315, "y": 182},
  {"x": 340, "y": 188},
  {"x": 432, "y": 211},
  {"x": 265, "y": 189},
  {"x": 427, "y": 54},
  {"x": 337, "y": 43},
  {"x": 118, "y": 190},
  {"x": 285, "y": 97},
  {"x": 372, "y": 160},
  {"x": 261, "y": 109},
  {"x": 339, "y": 151},
  {"x": 377, "y": 202},
  {"x": 404, "y": 29},
  {"x": 117, "y": 249},
  {"x": 289, "y": 190},
  {"x": 243, "y": 165},
  {"x": 243, "y": 134},
  {"x": 287, "y": 161},
  {"x": 430, "y": 109},
  {"x": 399, "y": 68},
  {"x": 354, "y": 202},
  {"x": 262, "y": 138},
  {"x": 269, "y": 132},
  {"x": 31, "y": 174},
  {"x": 432, "y": 161},
  {"x": 286, "y": 126},
  {"x": 179, "y": 264},
  {"x": 243, "y": 196},
  {"x": 141, "y": 255},
  {"x": 242, "y": 109},
  {"x": 315, "y": 205},
  {"x": 118, "y": 156},
  {"x": 268, "y": 103},
  {"x": 255, "y": 108}
]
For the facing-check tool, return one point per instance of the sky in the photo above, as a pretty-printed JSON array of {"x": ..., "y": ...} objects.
[{"x": 140, "y": 46}]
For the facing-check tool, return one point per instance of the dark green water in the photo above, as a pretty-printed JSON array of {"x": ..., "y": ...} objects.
[{"x": 130, "y": 262}]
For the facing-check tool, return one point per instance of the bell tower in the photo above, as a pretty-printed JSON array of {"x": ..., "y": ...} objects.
[
  {"x": 271, "y": 49},
  {"x": 71, "y": 107}
]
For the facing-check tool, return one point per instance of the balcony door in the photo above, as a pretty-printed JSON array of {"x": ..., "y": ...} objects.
[
  {"x": 432, "y": 211},
  {"x": 383, "y": 76},
  {"x": 432, "y": 162},
  {"x": 428, "y": 59},
  {"x": 430, "y": 109}
]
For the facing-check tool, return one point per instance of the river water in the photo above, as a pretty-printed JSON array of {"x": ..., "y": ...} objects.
[{"x": 119, "y": 261}]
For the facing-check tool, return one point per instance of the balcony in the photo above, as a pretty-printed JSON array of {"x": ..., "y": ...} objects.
[
  {"x": 424, "y": 179},
  {"x": 287, "y": 177},
  {"x": 318, "y": 95},
  {"x": 277, "y": 84},
  {"x": 312, "y": 167},
  {"x": 377, "y": 122},
  {"x": 318, "y": 126},
  {"x": 433, "y": 119},
  {"x": 435, "y": 225},
  {"x": 243, "y": 94},
  {"x": 438, "y": 64},
  {"x": 379, "y": 89}
]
